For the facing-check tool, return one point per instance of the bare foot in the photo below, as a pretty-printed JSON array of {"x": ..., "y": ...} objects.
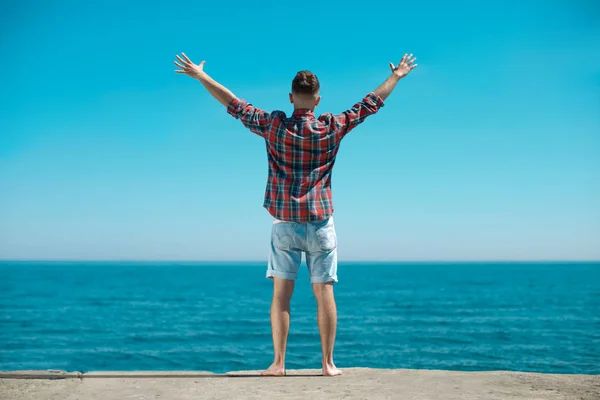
[
  {"x": 331, "y": 370},
  {"x": 274, "y": 370}
]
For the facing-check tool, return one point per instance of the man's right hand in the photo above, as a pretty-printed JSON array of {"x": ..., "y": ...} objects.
[
  {"x": 406, "y": 65},
  {"x": 399, "y": 71}
]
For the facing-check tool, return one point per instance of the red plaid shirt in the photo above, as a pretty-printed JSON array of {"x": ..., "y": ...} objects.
[{"x": 301, "y": 151}]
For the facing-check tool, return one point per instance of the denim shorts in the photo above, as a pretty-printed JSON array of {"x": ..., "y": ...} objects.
[{"x": 316, "y": 239}]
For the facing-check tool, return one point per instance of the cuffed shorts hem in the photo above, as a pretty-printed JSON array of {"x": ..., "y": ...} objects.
[
  {"x": 281, "y": 275},
  {"x": 323, "y": 279}
]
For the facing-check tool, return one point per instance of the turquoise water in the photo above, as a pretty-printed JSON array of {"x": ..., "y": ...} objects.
[{"x": 214, "y": 316}]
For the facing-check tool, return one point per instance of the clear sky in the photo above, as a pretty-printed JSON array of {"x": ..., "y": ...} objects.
[{"x": 489, "y": 150}]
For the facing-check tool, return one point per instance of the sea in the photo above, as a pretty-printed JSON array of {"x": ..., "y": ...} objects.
[{"x": 214, "y": 316}]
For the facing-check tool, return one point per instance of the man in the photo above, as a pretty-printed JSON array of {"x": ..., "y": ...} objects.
[{"x": 301, "y": 151}]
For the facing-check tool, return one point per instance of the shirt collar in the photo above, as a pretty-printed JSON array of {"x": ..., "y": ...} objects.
[{"x": 303, "y": 112}]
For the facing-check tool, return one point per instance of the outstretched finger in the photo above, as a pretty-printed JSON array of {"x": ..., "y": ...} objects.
[
  {"x": 186, "y": 57},
  {"x": 414, "y": 66},
  {"x": 180, "y": 71},
  {"x": 403, "y": 59},
  {"x": 179, "y": 65},
  {"x": 182, "y": 60},
  {"x": 411, "y": 61},
  {"x": 392, "y": 67}
]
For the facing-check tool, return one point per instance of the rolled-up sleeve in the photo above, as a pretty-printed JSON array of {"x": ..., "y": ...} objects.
[
  {"x": 354, "y": 116},
  {"x": 255, "y": 119}
]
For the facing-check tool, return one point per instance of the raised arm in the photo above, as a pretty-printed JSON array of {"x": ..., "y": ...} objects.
[
  {"x": 351, "y": 118},
  {"x": 255, "y": 119},
  {"x": 218, "y": 91},
  {"x": 406, "y": 65}
]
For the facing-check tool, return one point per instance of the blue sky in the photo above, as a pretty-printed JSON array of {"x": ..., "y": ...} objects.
[{"x": 489, "y": 150}]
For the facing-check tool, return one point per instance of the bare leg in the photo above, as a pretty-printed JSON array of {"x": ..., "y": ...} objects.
[
  {"x": 327, "y": 319},
  {"x": 280, "y": 323}
]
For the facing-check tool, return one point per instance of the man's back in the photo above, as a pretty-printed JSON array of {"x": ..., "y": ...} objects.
[{"x": 301, "y": 151}]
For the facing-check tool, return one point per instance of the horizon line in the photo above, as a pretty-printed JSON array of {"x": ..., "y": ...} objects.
[{"x": 423, "y": 261}]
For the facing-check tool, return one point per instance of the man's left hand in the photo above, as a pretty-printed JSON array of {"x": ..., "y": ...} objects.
[{"x": 188, "y": 67}]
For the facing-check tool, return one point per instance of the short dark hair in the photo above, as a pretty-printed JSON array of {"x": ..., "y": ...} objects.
[{"x": 305, "y": 82}]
